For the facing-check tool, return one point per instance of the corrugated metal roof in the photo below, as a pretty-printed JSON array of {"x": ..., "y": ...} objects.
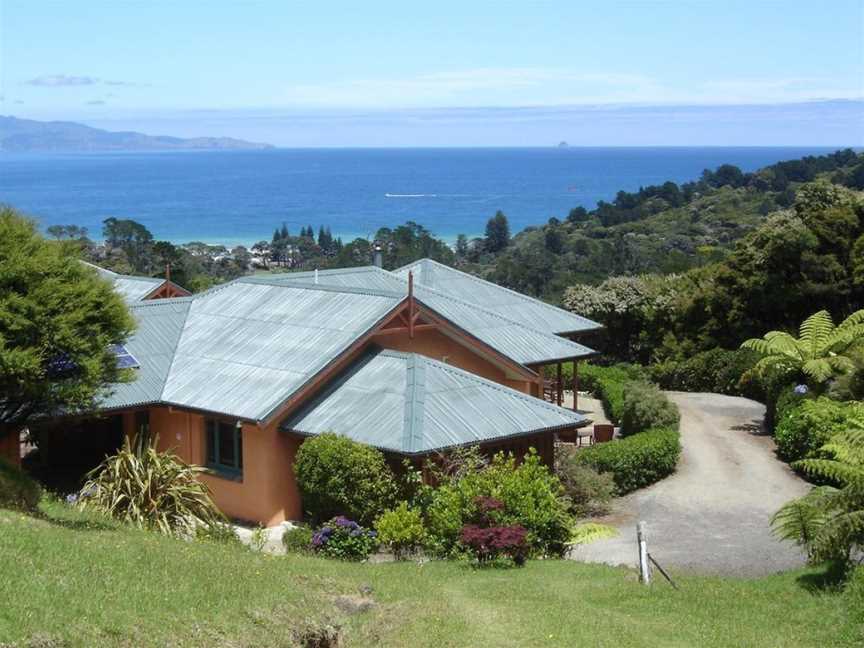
[
  {"x": 160, "y": 323},
  {"x": 515, "y": 306},
  {"x": 408, "y": 403},
  {"x": 132, "y": 288},
  {"x": 519, "y": 341}
]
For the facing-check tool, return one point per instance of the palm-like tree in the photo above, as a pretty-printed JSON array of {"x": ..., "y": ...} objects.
[
  {"x": 818, "y": 352},
  {"x": 829, "y": 521}
]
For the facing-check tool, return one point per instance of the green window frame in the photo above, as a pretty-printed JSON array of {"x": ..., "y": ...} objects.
[{"x": 224, "y": 443}]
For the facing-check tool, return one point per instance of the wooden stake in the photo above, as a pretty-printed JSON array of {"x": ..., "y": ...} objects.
[{"x": 559, "y": 388}]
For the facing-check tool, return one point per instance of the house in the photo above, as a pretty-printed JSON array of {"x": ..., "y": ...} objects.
[
  {"x": 235, "y": 378},
  {"x": 134, "y": 289}
]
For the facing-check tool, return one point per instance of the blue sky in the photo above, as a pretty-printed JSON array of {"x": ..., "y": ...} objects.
[{"x": 444, "y": 73}]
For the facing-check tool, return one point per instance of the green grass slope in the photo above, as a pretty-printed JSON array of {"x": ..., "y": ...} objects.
[{"x": 69, "y": 580}]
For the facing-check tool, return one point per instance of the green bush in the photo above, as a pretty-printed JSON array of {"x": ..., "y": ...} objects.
[
  {"x": 590, "y": 492},
  {"x": 637, "y": 461},
  {"x": 645, "y": 407},
  {"x": 297, "y": 540},
  {"x": 401, "y": 530},
  {"x": 17, "y": 489},
  {"x": 339, "y": 476},
  {"x": 532, "y": 495},
  {"x": 608, "y": 384},
  {"x": 717, "y": 371},
  {"x": 811, "y": 424}
]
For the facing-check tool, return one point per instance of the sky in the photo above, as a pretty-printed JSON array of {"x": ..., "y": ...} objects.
[{"x": 444, "y": 73}]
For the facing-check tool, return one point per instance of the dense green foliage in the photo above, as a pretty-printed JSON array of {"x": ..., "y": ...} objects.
[
  {"x": 339, "y": 476},
  {"x": 297, "y": 539},
  {"x": 69, "y": 581},
  {"x": 17, "y": 489},
  {"x": 590, "y": 492},
  {"x": 829, "y": 520},
  {"x": 57, "y": 320},
  {"x": 808, "y": 425},
  {"x": 608, "y": 384},
  {"x": 818, "y": 354},
  {"x": 719, "y": 371},
  {"x": 659, "y": 229},
  {"x": 636, "y": 461},
  {"x": 150, "y": 489},
  {"x": 401, "y": 530},
  {"x": 532, "y": 497},
  {"x": 645, "y": 407}
]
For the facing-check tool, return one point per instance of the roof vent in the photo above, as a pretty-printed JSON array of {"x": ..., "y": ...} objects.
[{"x": 377, "y": 258}]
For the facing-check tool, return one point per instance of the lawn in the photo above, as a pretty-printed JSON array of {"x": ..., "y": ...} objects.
[{"x": 69, "y": 580}]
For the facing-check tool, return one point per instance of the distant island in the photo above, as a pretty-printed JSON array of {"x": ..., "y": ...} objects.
[{"x": 27, "y": 135}]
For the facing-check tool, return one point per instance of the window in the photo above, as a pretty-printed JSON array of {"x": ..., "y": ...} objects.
[{"x": 224, "y": 447}]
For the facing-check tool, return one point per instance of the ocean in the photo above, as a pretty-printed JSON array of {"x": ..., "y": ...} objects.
[{"x": 239, "y": 197}]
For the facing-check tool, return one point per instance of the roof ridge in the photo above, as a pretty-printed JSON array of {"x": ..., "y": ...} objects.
[
  {"x": 477, "y": 279},
  {"x": 306, "y": 285},
  {"x": 485, "y": 311},
  {"x": 174, "y": 347}
]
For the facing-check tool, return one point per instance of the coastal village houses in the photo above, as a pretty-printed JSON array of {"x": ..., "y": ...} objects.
[{"x": 413, "y": 362}]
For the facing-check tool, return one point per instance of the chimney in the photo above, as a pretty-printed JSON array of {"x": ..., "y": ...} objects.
[{"x": 377, "y": 258}]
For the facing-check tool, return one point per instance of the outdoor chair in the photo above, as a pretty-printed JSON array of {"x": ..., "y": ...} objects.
[{"x": 603, "y": 432}]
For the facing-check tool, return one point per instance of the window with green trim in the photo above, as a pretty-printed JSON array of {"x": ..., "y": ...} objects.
[{"x": 224, "y": 447}]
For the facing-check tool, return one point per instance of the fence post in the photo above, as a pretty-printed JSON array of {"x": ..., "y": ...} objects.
[{"x": 644, "y": 568}]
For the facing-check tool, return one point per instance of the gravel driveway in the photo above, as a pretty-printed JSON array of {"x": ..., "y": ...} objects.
[{"x": 712, "y": 515}]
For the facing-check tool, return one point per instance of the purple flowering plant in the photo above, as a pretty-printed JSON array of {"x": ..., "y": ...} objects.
[{"x": 345, "y": 539}]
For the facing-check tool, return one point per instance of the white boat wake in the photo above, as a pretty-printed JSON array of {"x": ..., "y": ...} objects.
[{"x": 389, "y": 195}]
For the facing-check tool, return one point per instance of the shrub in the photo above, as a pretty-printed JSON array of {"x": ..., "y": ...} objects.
[
  {"x": 17, "y": 489},
  {"x": 150, "y": 489},
  {"x": 607, "y": 384},
  {"x": 297, "y": 540},
  {"x": 590, "y": 492},
  {"x": 401, "y": 529},
  {"x": 810, "y": 424},
  {"x": 717, "y": 370},
  {"x": 645, "y": 406},
  {"x": 636, "y": 461},
  {"x": 531, "y": 494},
  {"x": 490, "y": 543},
  {"x": 344, "y": 539},
  {"x": 339, "y": 476}
]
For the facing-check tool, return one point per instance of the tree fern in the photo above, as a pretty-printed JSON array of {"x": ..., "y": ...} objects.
[
  {"x": 829, "y": 521},
  {"x": 819, "y": 352}
]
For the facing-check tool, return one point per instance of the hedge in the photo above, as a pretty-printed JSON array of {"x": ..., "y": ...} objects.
[
  {"x": 17, "y": 489},
  {"x": 806, "y": 426},
  {"x": 646, "y": 407},
  {"x": 636, "y": 461},
  {"x": 608, "y": 384},
  {"x": 718, "y": 371}
]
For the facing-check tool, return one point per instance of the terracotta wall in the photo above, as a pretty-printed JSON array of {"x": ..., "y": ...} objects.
[
  {"x": 436, "y": 345},
  {"x": 10, "y": 448},
  {"x": 266, "y": 493}
]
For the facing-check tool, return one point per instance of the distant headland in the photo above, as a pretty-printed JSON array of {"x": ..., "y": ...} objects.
[{"x": 28, "y": 135}]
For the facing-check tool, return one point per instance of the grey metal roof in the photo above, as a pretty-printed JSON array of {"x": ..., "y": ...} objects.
[
  {"x": 513, "y": 305},
  {"x": 160, "y": 323},
  {"x": 133, "y": 289},
  {"x": 408, "y": 403},
  {"x": 521, "y": 342}
]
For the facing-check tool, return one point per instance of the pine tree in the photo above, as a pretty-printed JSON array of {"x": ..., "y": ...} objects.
[{"x": 283, "y": 233}]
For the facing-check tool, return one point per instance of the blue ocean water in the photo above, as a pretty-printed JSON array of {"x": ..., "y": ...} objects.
[{"x": 240, "y": 196}]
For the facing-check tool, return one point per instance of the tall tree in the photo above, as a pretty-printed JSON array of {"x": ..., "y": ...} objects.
[
  {"x": 57, "y": 320},
  {"x": 497, "y": 232}
]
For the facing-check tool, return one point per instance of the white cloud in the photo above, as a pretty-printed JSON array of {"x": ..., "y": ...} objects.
[{"x": 538, "y": 86}]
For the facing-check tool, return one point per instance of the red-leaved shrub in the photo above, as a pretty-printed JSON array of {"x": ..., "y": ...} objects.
[{"x": 489, "y": 543}]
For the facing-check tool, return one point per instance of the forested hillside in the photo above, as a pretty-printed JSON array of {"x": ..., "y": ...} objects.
[{"x": 659, "y": 229}]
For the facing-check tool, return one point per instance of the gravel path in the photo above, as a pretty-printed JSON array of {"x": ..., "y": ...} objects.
[{"x": 712, "y": 515}]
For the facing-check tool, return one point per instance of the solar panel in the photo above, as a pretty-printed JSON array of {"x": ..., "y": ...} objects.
[{"x": 125, "y": 360}]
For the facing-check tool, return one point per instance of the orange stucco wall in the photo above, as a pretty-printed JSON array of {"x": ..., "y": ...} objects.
[
  {"x": 10, "y": 448},
  {"x": 267, "y": 492},
  {"x": 436, "y": 345}
]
